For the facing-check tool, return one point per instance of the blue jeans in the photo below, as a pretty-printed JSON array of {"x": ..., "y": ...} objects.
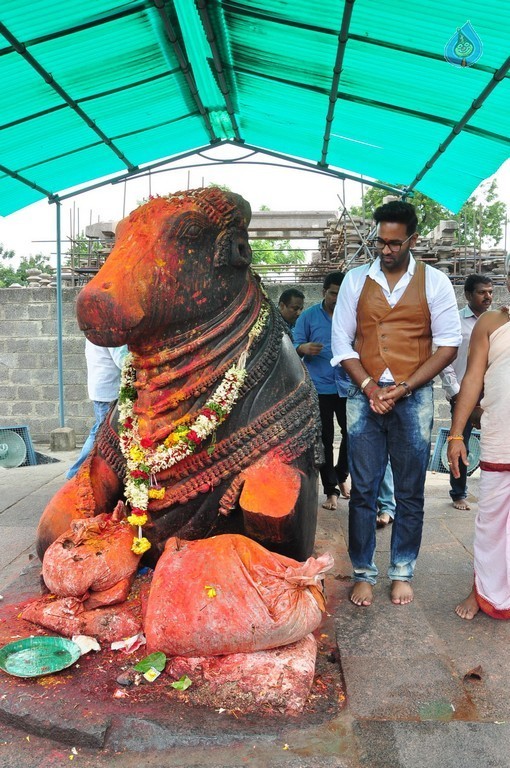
[
  {"x": 386, "y": 497},
  {"x": 404, "y": 435},
  {"x": 100, "y": 411}
]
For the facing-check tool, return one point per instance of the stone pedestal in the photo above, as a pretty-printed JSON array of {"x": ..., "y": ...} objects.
[
  {"x": 62, "y": 439},
  {"x": 278, "y": 679}
]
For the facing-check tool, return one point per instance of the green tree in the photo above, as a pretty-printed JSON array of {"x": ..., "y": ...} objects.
[
  {"x": 7, "y": 273},
  {"x": 4, "y": 254},
  {"x": 33, "y": 262},
  {"x": 276, "y": 252},
  {"x": 80, "y": 249},
  {"x": 7, "y": 276},
  {"x": 10, "y": 275},
  {"x": 481, "y": 218},
  {"x": 428, "y": 211}
]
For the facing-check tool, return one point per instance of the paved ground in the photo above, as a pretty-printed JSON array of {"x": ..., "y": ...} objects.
[{"x": 423, "y": 687}]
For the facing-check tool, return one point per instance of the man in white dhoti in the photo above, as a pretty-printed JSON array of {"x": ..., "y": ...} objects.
[{"x": 488, "y": 369}]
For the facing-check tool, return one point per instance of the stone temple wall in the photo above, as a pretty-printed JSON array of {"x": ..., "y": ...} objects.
[{"x": 29, "y": 393}]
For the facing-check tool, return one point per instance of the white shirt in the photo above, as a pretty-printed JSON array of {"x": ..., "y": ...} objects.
[
  {"x": 444, "y": 314},
  {"x": 104, "y": 365},
  {"x": 453, "y": 374}
]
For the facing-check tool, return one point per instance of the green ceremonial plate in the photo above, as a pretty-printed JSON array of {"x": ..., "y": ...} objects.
[{"x": 36, "y": 656}]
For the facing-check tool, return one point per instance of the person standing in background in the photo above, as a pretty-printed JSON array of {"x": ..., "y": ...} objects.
[
  {"x": 478, "y": 293},
  {"x": 290, "y": 306},
  {"x": 312, "y": 340},
  {"x": 104, "y": 365},
  {"x": 386, "y": 500}
]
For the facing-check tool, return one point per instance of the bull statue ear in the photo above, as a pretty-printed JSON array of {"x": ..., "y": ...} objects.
[{"x": 232, "y": 248}]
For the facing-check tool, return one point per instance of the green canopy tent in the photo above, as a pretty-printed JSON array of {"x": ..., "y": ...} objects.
[
  {"x": 416, "y": 94},
  {"x": 106, "y": 87}
]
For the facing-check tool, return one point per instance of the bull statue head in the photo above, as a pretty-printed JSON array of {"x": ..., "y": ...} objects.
[{"x": 177, "y": 261}]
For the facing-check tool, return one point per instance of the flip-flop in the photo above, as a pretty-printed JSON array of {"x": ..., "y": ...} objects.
[
  {"x": 383, "y": 523},
  {"x": 329, "y": 505}
]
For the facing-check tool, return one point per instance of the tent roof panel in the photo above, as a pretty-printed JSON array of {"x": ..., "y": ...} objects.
[{"x": 106, "y": 86}]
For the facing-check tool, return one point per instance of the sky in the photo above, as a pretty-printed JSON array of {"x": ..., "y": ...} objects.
[{"x": 32, "y": 229}]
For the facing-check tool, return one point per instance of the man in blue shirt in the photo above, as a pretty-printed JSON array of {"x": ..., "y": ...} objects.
[
  {"x": 312, "y": 341},
  {"x": 290, "y": 306}
]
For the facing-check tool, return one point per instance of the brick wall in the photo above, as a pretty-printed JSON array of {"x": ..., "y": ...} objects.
[
  {"x": 29, "y": 393},
  {"x": 28, "y": 360}
]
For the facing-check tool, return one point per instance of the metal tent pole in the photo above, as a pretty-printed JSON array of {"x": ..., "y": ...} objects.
[{"x": 59, "y": 320}]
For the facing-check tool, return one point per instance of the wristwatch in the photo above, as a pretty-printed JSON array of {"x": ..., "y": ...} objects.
[{"x": 406, "y": 386}]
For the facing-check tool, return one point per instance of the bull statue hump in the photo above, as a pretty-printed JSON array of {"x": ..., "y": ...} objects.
[{"x": 217, "y": 425}]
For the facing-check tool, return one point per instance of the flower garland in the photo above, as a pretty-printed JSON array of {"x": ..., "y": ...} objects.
[{"x": 145, "y": 458}]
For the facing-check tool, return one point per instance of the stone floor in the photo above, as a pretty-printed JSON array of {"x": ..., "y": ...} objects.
[{"x": 415, "y": 686}]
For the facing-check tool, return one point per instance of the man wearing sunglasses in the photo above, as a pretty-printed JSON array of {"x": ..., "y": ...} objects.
[{"x": 396, "y": 326}]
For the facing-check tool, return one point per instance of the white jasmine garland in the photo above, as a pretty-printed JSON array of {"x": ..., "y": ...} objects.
[{"x": 144, "y": 459}]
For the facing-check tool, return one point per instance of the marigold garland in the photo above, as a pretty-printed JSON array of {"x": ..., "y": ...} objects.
[
  {"x": 140, "y": 545},
  {"x": 145, "y": 458}
]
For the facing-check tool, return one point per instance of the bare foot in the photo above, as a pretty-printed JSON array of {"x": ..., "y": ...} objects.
[
  {"x": 461, "y": 504},
  {"x": 361, "y": 594},
  {"x": 383, "y": 520},
  {"x": 345, "y": 490},
  {"x": 469, "y": 607},
  {"x": 331, "y": 502},
  {"x": 401, "y": 592}
]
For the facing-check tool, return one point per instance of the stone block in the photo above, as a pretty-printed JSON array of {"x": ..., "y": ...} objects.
[
  {"x": 38, "y": 311},
  {"x": 16, "y": 312},
  {"x": 280, "y": 678},
  {"x": 9, "y": 360},
  {"x": 49, "y": 328},
  {"x": 75, "y": 378},
  {"x": 46, "y": 408},
  {"x": 7, "y": 411},
  {"x": 50, "y": 393},
  {"x": 445, "y": 228},
  {"x": 101, "y": 230},
  {"x": 62, "y": 439},
  {"x": 22, "y": 409}
]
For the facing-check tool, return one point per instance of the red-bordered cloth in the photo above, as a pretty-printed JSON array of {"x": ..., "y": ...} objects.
[
  {"x": 491, "y": 545},
  {"x": 489, "y": 609},
  {"x": 489, "y": 466}
]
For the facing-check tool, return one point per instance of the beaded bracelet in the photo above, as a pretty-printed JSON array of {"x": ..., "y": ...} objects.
[{"x": 454, "y": 437}]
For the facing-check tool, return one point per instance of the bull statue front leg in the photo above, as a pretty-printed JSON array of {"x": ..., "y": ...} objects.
[{"x": 96, "y": 488}]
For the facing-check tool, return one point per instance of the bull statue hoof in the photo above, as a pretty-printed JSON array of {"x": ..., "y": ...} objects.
[{"x": 217, "y": 427}]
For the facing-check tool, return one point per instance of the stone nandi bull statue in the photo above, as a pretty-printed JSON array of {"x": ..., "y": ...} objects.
[{"x": 215, "y": 405}]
